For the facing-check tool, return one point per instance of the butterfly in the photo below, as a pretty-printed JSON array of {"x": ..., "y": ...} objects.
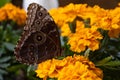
[{"x": 40, "y": 39}]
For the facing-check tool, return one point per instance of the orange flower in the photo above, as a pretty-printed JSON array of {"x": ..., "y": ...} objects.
[
  {"x": 11, "y": 12},
  {"x": 70, "y": 68},
  {"x": 3, "y": 15},
  {"x": 99, "y": 17}
]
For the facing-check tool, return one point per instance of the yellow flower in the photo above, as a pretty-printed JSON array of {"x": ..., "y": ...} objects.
[
  {"x": 67, "y": 13},
  {"x": 85, "y": 37},
  {"x": 65, "y": 30},
  {"x": 11, "y": 12},
  {"x": 3, "y": 15},
  {"x": 115, "y": 22},
  {"x": 110, "y": 21},
  {"x": 70, "y": 68},
  {"x": 59, "y": 20},
  {"x": 99, "y": 17}
]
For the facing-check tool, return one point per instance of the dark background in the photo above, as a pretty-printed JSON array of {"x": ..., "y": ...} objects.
[{"x": 107, "y": 4}]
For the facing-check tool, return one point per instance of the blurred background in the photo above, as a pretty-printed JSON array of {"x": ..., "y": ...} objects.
[
  {"x": 10, "y": 31},
  {"x": 102, "y": 3}
]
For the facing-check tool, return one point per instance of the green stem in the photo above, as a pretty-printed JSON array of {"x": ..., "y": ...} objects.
[{"x": 86, "y": 54}]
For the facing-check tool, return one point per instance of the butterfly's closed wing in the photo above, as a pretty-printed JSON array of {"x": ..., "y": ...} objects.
[{"x": 40, "y": 40}]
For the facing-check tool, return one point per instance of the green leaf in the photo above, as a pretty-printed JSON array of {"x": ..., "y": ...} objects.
[
  {"x": 87, "y": 23},
  {"x": 103, "y": 61},
  {"x": 72, "y": 26},
  {"x": 9, "y": 46},
  {"x": 14, "y": 68},
  {"x": 1, "y": 33},
  {"x": 3, "y": 2},
  {"x": 31, "y": 68},
  {"x": 106, "y": 38},
  {"x": 112, "y": 68},
  {"x": 60, "y": 57},
  {"x": 5, "y": 59},
  {"x": 1, "y": 77},
  {"x": 2, "y": 50},
  {"x": 112, "y": 63},
  {"x": 87, "y": 53},
  {"x": 4, "y": 35},
  {"x": 51, "y": 78},
  {"x": 2, "y": 71},
  {"x": 4, "y": 65}
]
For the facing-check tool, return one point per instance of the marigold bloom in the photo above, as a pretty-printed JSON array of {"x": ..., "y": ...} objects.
[
  {"x": 11, "y": 12},
  {"x": 70, "y": 68},
  {"x": 85, "y": 37},
  {"x": 3, "y": 15},
  {"x": 67, "y": 13},
  {"x": 115, "y": 22}
]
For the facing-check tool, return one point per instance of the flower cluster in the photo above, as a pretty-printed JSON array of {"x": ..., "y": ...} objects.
[
  {"x": 86, "y": 36},
  {"x": 92, "y": 32},
  {"x": 70, "y": 68},
  {"x": 11, "y": 12}
]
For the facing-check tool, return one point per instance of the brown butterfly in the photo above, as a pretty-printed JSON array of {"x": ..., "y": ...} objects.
[{"x": 40, "y": 39}]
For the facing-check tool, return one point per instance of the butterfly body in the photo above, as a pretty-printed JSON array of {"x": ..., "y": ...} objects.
[{"x": 40, "y": 40}]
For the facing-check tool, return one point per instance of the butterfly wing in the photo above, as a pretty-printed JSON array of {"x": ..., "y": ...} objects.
[{"x": 40, "y": 40}]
